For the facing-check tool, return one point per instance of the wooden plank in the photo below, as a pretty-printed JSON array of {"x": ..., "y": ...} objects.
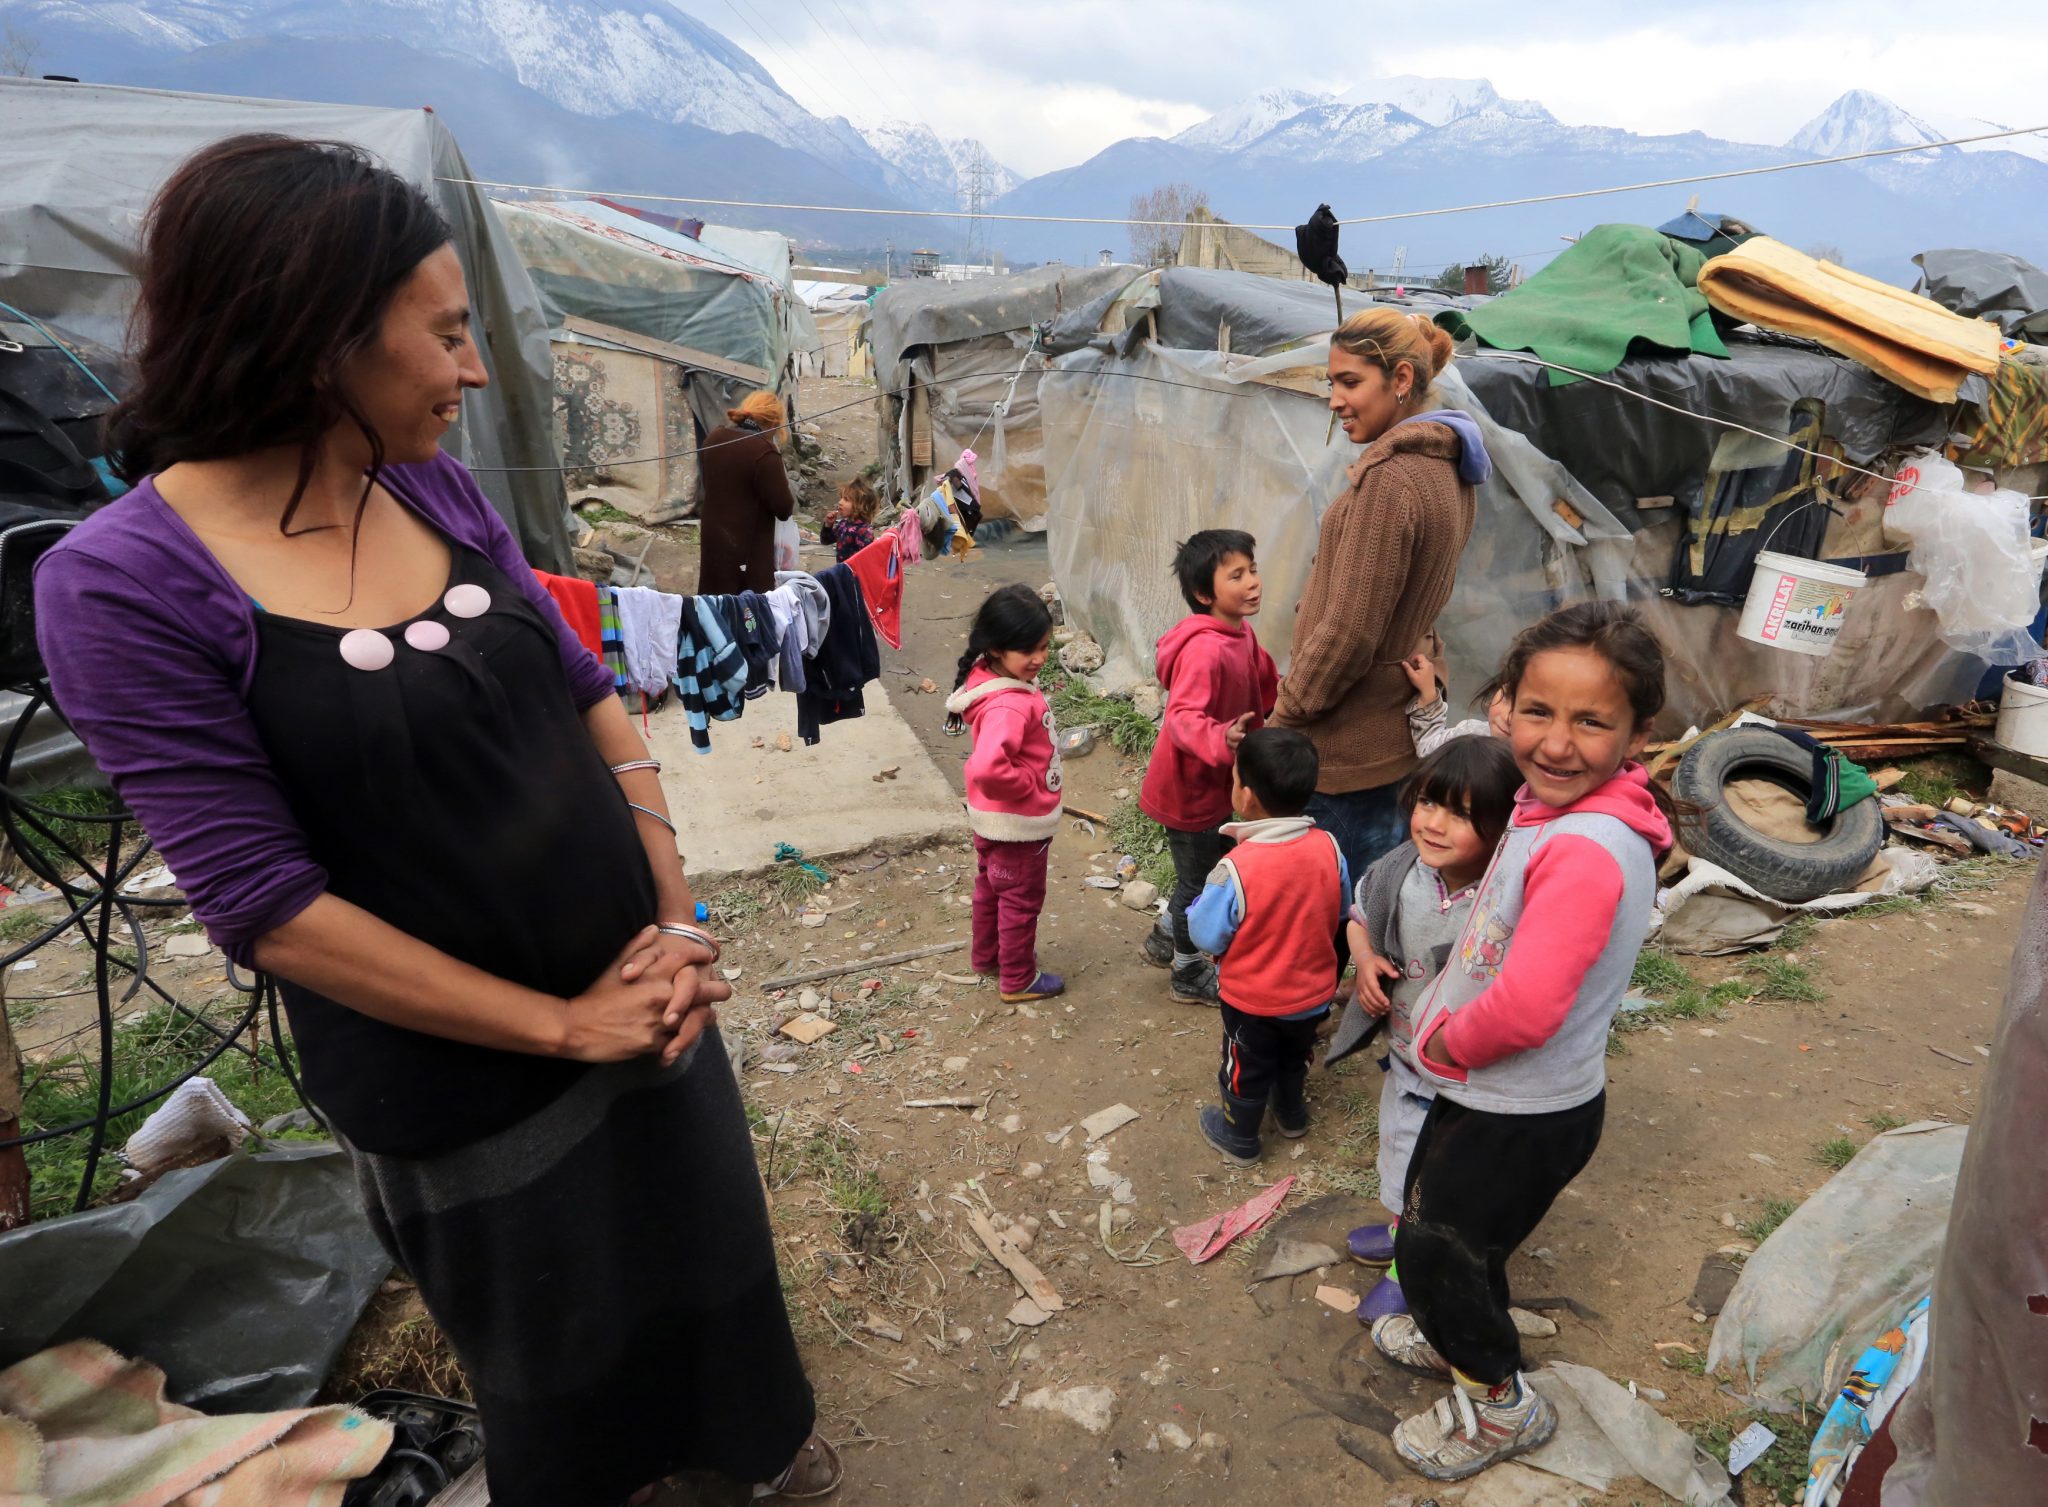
[
  {"x": 886, "y": 960},
  {"x": 1029, "y": 1277},
  {"x": 2027, "y": 766},
  {"x": 467, "y": 1490},
  {"x": 681, "y": 355},
  {"x": 920, "y": 426}
]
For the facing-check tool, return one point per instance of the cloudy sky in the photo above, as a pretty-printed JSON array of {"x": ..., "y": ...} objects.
[{"x": 1046, "y": 83}]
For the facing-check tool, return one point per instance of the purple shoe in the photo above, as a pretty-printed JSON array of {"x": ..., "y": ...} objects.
[
  {"x": 1385, "y": 1299},
  {"x": 1373, "y": 1244},
  {"x": 1045, "y": 986}
]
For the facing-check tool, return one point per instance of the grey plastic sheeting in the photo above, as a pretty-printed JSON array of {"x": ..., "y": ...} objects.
[
  {"x": 1988, "y": 285},
  {"x": 81, "y": 163},
  {"x": 924, "y": 311},
  {"x": 241, "y": 1278}
]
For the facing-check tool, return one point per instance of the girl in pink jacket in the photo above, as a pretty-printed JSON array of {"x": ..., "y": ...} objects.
[{"x": 1013, "y": 786}]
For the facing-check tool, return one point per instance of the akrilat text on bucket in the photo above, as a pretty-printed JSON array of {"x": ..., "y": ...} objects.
[{"x": 1797, "y": 604}]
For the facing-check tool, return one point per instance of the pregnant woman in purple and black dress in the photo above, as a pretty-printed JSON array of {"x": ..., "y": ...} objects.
[{"x": 311, "y": 659}]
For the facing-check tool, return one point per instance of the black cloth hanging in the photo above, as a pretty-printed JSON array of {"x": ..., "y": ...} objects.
[{"x": 1316, "y": 244}]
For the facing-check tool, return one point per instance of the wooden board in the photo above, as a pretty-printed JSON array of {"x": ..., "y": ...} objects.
[
  {"x": 467, "y": 1490},
  {"x": 920, "y": 426},
  {"x": 1029, "y": 1277},
  {"x": 681, "y": 355}
]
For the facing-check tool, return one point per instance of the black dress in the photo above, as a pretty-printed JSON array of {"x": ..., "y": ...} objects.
[{"x": 592, "y": 1240}]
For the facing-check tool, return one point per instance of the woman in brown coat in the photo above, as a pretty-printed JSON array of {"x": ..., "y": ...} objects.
[
  {"x": 746, "y": 492},
  {"x": 1385, "y": 560}
]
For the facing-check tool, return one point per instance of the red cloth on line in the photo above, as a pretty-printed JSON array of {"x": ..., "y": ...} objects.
[
  {"x": 578, "y": 600},
  {"x": 879, "y": 569}
]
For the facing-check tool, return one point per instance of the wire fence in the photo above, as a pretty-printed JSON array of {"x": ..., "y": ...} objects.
[{"x": 88, "y": 1086}]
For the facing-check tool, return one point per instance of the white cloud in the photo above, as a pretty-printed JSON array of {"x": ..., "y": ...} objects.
[{"x": 1048, "y": 83}]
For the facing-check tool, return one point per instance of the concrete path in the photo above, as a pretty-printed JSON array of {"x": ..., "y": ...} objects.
[{"x": 734, "y": 804}]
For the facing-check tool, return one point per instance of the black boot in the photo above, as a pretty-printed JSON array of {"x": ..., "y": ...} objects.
[
  {"x": 1290, "y": 1105},
  {"x": 1157, "y": 948},
  {"x": 1233, "y": 1129}
]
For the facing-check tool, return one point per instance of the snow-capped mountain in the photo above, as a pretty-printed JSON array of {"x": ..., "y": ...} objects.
[
  {"x": 1862, "y": 122},
  {"x": 1249, "y": 119},
  {"x": 1439, "y": 101},
  {"x": 932, "y": 172},
  {"x": 1337, "y": 133},
  {"x": 592, "y": 57}
]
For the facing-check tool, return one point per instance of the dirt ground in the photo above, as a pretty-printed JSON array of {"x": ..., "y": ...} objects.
[
  {"x": 921, "y": 1377},
  {"x": 1707, "y": 1120}
]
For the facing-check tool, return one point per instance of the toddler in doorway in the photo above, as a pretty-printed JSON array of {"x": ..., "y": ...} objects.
[
  {"x": 1512, "y": 1036},
  {"x": 1013, "y": 786},
  {"x": 1220, "y": 684},
  {"x": 1406, "y": 913},
  {"x": 1269, "y": 914},
  {"x": 851, "y": 528}
]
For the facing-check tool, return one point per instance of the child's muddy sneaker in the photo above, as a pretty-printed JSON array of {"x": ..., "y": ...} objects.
[
  {"x": 1372, "y": 1244},
  {"x": 1399, "y": 1339},
  {"x": 1195, "y": 985},
  {"x": 1461, "y": 1436},
  {"x": 1045, "y": 986},
  {"x": 1157, "y": 948}
]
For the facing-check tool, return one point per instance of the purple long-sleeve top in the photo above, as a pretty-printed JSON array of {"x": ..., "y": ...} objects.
[{"x": 151, "y": 649}]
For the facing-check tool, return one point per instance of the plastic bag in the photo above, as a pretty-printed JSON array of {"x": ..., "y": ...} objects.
[
  {"x": 1841, "y": 1270},
  {"x": 1605, "y": 1434},
  {"x": 1975, "y": 555},
  {"x": 787, "y": 542}
]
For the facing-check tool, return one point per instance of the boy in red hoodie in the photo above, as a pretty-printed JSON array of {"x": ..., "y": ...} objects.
[{"x": 1219, "y": 685}]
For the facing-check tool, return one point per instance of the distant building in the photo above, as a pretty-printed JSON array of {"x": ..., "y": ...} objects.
[{"x": 924, "y": 264}]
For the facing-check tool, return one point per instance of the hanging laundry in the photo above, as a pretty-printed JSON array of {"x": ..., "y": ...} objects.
[
  {"x": 611, "y": 636},
  {"x": 880, "y": 568},
  {"x": 910, "y": 535},
  {"x": 843, "y": 662},
  {"x": 650, "y": 623},
  {"x": 802, "y": 614},
  {"x": 578, "y": 600},
  {"x": 750, "y": 625},
  {"x": 710, "y": 670}
]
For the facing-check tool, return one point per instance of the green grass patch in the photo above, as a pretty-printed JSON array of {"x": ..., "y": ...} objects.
[
  {"x": 1881, "y": 1121},
  {"x": 147, "y": 1054},
  {"x": 1132, "y": 831},
  {"x": 20, "y": 925},
  {"x": 735, "y": 906},
  {"x": 1835, "y": 1154},
  {"x": 1677, "y": 995},
  {"x": 1797, "y": 933},
  {"x": 1782, "y": 979},
  {"x": 603, "y": 512},
  {"x": 65, "y": 811},
  {"x": 1658, "y": 974},
  {"x": 1075, "y": 703},
  {"x": 795, "y": 883},
  {"x": 1775, "y": 1212},
  {"x": 1691, "y": 1362},
  {"x": 1781, "y": 1471}
]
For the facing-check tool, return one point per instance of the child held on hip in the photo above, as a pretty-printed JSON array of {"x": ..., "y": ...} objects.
[
  {"x": 851, "y": 528},
  {"x": 1013, "y": 786},
  {"x": 1406, "y": 913},
  {"x": 1270, "y": 914},
  {"x": 1512, "y": 1036},
  {"x": 1219, "y": 686}
]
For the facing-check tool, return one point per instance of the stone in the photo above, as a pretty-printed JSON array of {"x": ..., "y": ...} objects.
[
  {"x": 1139, "y": 894},
  {"x": 1031, "y": 1170},
  {"x": 1175, "y": 1435},
  {"x": 187, "y": 945},
  {"x": 1020, "y": 1237},
  {"x": 1011, "y": 1124},
  {"x": 881, "y": 1330},
  {"x": 956, "y": 1064},
  {"x": 1532, "y": 1326},
  {"x": 808, "y": 999},
  {"x": 2014, "y": 791},
  {"x": 1027, "y": 1314},
  {"x": 1083, "y": 656},
  {"x": 1148, "y": 701},
  {"x": 1107, "y": 1121},
  {"x": 1094, "y": 1408},
  {"x": 593, "y": 564}
]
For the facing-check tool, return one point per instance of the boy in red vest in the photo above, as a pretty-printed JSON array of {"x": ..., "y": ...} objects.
[{"x": 1269, "y": 915}]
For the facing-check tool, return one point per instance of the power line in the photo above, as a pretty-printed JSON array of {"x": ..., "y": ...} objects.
[
  {"x": 1383, "y": 219},
  {"x": 787, "y": 52}
]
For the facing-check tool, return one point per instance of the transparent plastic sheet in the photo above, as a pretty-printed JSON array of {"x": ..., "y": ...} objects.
[
  {"x": 1841, "y": 1270},
  {"x": 241, "y": 1278},
  {"x": 922, "y": 311},
  {"x": 985, "y": 399},
  {"x": 1973, "y": 553},
  {"x": 1969, "y": 1430},
  {"x": 1135, "y": 465}
]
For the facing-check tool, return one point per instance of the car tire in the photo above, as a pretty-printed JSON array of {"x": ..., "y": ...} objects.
[{"x": 1794, "y": 872}]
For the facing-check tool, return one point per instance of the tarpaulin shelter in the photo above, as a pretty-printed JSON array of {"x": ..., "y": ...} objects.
[
  {"x": 841, "y": 311},
  {"x": 655, "y": 334},
  {"x": 959, "y": 366},
  {"x": 1197, "y": 399},
  {"x": 81, "y": 162}
]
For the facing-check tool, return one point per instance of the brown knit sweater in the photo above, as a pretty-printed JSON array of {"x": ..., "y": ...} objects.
[{"x": 1384, "y": 565}]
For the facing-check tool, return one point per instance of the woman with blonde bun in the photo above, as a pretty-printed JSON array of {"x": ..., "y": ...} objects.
[
  {"x": 1385, "y": 560},
  {"x": 746, "y": 492}
]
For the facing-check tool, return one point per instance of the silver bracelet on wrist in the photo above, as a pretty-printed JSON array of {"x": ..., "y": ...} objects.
[
  {"x": 644, "y": 811},
  {"x": 632, "y": 764},
  {"x": 690, "y": 933}
]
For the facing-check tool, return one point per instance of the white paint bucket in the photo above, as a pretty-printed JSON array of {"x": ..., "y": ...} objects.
[
  {"x": 1797, "y": 604},
  {"x": 2023, "y": 718}
]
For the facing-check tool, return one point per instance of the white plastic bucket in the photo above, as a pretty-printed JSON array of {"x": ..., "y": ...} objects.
[
  {"x": 2023, "y": 718},
  {"x": 1797, "y": 604}
]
